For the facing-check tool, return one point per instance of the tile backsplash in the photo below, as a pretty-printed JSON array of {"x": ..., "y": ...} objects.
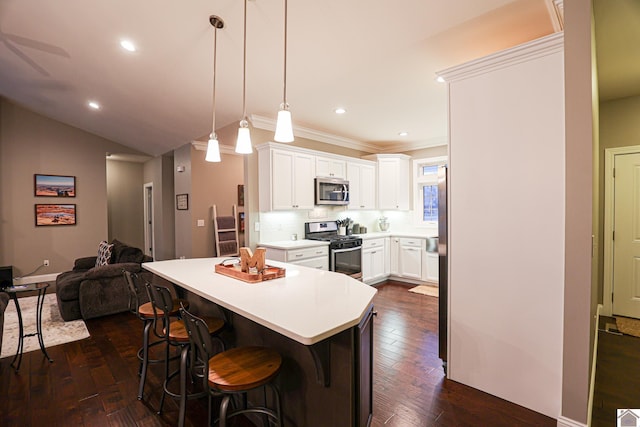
[{"x": 277, "y": 226}]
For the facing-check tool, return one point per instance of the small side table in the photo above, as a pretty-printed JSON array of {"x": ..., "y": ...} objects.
[{"x": 13, "y": 291}]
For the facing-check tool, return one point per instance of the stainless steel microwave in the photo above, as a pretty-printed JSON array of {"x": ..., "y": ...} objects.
[{"x": 331, "y": 191}]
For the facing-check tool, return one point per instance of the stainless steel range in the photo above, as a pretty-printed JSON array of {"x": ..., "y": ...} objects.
[{"x": 345, "y": 252}]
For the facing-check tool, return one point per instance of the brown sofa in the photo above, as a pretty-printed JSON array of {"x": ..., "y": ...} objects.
[{"x": 88, "y": 291}]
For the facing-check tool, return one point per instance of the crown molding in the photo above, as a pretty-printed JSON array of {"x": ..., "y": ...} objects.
[
  {"x": 400, "y": 147},
  {"x": 556, "y": 12},
  {"x": 266, "y": 123},
  {"x": 224, "y": 149},
  {"x": 543, "y": 46}
]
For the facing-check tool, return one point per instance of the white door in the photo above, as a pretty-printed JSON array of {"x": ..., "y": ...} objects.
[{"x": 626, "y": 244}]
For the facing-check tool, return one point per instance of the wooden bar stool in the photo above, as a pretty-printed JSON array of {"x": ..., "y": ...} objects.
[
  {"x": 236, "y": 371},
  {"x": 176, "y": 335},
  {"x": 144, "y": 311}
]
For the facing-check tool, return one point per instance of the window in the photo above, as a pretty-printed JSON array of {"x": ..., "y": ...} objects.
[{"x": 426, "y": 190}]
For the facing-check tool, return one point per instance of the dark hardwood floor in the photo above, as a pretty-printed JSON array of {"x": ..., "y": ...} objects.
[
  {"x": 93, "y": 382},
  {"x": 617, "y": 383}
]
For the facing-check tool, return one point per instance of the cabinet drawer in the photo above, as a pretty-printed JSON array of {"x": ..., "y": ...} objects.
[
  {"x": 321, "y": 263},
  {"x": 372, "y": 243},
  {"x": 305, "y": 253},
  {"x": 407, "y": 241}
]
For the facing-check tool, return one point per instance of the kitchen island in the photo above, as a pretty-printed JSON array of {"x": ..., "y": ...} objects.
[{"x": 319, "y": 321}]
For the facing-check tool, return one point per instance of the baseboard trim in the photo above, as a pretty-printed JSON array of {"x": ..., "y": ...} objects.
[
  {"x": 35, "y": 279},
  {"x": 568, "y": 422},
  {"x": 592, "y": 379}
]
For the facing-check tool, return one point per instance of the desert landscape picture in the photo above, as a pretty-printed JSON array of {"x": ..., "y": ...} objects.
[
  {"x": 55, "y": 186},
  {"x": 55, "y": 214}
]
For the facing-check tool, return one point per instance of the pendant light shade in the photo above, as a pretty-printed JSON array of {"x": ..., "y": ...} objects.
[
  {"x": 213, "y": 148},
  {"x": 243, "y": 144},
  {"x": 284, "y": 128}
]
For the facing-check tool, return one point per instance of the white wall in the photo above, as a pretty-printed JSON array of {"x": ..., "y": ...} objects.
[{"x": 507, "y": 224}]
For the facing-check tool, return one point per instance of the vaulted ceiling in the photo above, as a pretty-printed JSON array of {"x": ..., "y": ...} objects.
[{"x": 377, "y": 59}]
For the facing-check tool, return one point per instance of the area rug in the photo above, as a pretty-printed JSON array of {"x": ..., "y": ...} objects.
[
  {"x": 431, "y": 291},
  {"x": 628, "y": 326},
  {"x": 54, "y": 330}
]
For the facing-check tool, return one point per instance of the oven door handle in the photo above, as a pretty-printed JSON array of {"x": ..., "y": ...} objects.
[{"x": 355, "y": 248}]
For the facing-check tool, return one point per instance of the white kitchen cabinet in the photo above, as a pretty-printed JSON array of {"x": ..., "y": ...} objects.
[
  {"x": 406, "y": 258},
  {"x": 314, "y": 257},
  {"x": 411, "y": 258},
  {"x": 393, "y": 181},
  {"x": 332, "y": 168},
  {"x": 430, "y": 266},
  {"x": 394, "y": 256},
  {"x": 286, "y": 179},
  {"x": 362, "y": 185},
  {"x": 373, "y": 260}
]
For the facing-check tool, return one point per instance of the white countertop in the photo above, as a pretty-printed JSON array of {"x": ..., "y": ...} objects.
[
  {"x": 307, "y": 305},
  {"x": 293, "y": 244},
  {"x": 378, "y": 234}
]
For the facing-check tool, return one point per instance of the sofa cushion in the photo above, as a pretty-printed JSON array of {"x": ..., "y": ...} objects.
[
  {"x": 68, "y": 285},
  {"x": 104, "y": 253},
  {"x": 84, "y": 263},
  {"x": 125, "y": 253}
]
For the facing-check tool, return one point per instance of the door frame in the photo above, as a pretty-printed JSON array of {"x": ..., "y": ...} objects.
[
  {"x": 149, "y": 216},
  {"x": 609, "y": 187}
]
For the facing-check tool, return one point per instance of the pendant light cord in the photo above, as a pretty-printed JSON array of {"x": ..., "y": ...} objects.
[
  {"x": 213, "y": 114},
  {"x": 244, "y": 66},
  {"x": 284, "y": 95}
]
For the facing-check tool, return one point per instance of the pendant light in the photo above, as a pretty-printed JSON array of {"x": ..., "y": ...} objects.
[
  {"x": 284, "y": 128},
  {"x": 243, "y": 144},
  {"x": 213, "y": 148}
]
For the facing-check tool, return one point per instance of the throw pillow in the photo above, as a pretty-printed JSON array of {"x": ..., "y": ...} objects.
[{"x": 104, "y": 253}]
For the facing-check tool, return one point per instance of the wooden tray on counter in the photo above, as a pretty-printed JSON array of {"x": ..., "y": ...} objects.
[{"x": 269, "y": 272}]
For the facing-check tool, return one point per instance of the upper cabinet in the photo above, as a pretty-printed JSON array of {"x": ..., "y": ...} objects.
[
  {"x": 286, "y": 179},
  {"x": 393, "y": 181},
  {"x": 331, "y": 168},
  {"x": 362, "y": 185}
]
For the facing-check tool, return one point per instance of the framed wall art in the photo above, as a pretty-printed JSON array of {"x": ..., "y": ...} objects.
[
  {"x": 53, "y": 214},
  {"x": 240, "y": 195},
  {"x": 54, "y": 185},
  {"x": 182, "y": 202}
]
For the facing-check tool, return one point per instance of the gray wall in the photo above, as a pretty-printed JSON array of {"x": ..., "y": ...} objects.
[
  {"x": 159, "y": 172},
  {"x": 125, "y": 203},
  {"x": 33, "y": 144}
]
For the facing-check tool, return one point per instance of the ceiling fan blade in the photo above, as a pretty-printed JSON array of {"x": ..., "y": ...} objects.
[
  {"x": 26, "y": 59},
  {"x": 35, "y": 44}
]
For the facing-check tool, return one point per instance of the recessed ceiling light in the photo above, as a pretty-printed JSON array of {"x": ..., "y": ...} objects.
[
  {"x": 403, "y": 133},
  {"x": 94, "y": 105},
  {"x": 340, "y": 110},
  {"x": 128, "y": 45},
  {"x": 440, "y": 79}
]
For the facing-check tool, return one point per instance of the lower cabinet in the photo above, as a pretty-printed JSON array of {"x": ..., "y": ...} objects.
[
  {"x": 407, "y": 257},
  {"x": 374, "y": 258},
  {"x": 314, "y": 257},
  {"x": 411, "y": 258},
  {"x": 430, "y": 267},
  {"x": 363, "y": 359}
]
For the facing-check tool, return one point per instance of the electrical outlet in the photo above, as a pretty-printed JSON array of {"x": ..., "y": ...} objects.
[{"x": 46, "y": 263}]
